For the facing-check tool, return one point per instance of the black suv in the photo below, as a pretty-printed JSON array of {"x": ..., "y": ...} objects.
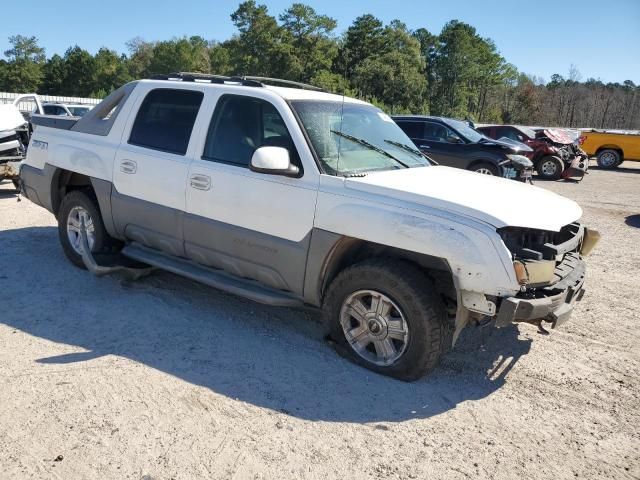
[{"x": 456, "y": 144}]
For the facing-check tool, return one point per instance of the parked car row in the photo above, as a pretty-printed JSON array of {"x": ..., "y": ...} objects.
[
  {"x": 456, "y": 144},
  {"x": 554, "y": 153},
  {"x": 288, "y": 195}
]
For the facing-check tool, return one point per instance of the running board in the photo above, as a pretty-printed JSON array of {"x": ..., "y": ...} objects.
[{"x": 214, "y": 278}]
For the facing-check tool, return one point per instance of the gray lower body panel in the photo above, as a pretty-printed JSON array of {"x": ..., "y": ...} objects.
[
  {"x": 245, "y": 253},
  {"x": 148, "y": 223}
]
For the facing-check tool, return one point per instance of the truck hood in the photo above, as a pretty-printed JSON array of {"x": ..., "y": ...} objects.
[
  {"x": 497, "y": 201},
  {"x": 558, "y": 136},
  {"x": 516, "y": 146}
]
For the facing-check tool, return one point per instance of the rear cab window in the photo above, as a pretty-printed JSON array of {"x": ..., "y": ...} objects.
[
  {"x": 165, "y": 120},
  {"x": 242, "y": 124}
]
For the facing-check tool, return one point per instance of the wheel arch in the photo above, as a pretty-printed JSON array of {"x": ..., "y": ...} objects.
[
  {"x": 346, "y": 251},
  {"x": 64, "y": 181},
  {"x": 478, "y": 161},
  {"x": 611, "y": 146}
]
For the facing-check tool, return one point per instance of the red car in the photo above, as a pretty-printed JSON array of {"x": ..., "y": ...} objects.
[{"x": 554, "y": 151}]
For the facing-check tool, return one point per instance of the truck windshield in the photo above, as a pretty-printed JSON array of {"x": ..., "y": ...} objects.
[{"x": 351, "y": 138}]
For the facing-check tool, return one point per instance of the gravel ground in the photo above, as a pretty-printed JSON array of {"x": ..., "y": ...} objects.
[{"x": 167, "y": 379}]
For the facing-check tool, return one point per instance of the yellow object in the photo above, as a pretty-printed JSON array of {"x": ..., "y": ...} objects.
[{"x": 627, "y": 144}]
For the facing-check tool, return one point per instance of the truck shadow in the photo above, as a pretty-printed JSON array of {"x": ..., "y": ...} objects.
[{"x": 273, "y": 358}]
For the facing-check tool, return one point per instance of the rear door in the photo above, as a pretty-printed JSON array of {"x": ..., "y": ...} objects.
[
  {"x": 250, "y": 224},
  {"x": 151, "y": 167}
]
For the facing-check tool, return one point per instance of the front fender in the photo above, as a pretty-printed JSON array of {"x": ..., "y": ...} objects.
[{"x": 479, "y": 260}]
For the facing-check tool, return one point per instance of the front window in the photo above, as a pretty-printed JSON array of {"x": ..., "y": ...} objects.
[
  {"x": 465, "y": 130},
  {"x": 240, "y": 125},
  {"x": 351, "y": 138}
]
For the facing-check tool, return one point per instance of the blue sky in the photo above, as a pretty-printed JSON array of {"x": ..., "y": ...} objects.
[{"x": 540, "y": 37}]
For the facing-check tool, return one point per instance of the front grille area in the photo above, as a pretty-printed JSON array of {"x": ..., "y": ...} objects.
[{"x": 529, "y": 243}]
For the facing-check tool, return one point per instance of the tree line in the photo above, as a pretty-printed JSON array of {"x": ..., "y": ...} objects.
[{"x": 456, "y": 73}]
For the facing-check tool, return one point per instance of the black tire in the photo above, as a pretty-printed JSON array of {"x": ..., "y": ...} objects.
[
  {"x": 484, "y": 168},
  {"x": 103, "y": 244},
  {"x": 609, "y": 158},
  {"x": 550, "y": 167},
  {"x": 414, "y": 294}
]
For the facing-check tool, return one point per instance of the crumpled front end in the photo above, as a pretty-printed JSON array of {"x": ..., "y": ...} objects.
[{"x": 551, "y": 272}]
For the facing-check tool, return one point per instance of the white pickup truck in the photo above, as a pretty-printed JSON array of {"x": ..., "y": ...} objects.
[{"x": 291, "y": 196}]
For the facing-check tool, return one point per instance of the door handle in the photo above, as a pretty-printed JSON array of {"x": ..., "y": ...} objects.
[
  {"x": 128, "y": 166},
  {"x": 424, "y": 146},
  {"x": 200, "y": 182}
]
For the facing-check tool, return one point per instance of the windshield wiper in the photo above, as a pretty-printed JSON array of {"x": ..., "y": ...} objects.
[
  {"x": 411, "y": 150},
  {"x": 370, "y": 146}
]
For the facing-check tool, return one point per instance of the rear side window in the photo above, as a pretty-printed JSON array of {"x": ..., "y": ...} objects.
[
  {"x": 412, "y": 129},
  {"x": 165, "y": 120},
  {"x": 240, "y": 125}
]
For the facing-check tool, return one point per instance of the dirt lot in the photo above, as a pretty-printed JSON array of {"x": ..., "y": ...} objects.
[{"x": 164, "y": 378}]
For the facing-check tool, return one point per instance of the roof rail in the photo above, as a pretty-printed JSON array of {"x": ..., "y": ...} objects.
[
  {"x": 247, "y": 81},
  {"x": 286, "y": 83}
]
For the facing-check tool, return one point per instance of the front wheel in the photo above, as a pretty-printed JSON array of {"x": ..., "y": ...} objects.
[
  {"x": 385, "y": 315},
  {"x": 550, "y": 168}
]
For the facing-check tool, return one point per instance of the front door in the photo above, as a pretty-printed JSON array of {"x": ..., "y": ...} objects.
[
  {"x": 436, "y": 144},
  {"x": 250, "y": 224},
  {"x": 151, "y": 167}
]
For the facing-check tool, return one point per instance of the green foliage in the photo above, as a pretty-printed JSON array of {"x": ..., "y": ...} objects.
[
  {"x": 187, "y": 55},
  {"x": 22, "y": 72},
  {"x": 310, "y": 37},
  {"x": 260, "y": 47},
  {"x": 394, "y": 73}
]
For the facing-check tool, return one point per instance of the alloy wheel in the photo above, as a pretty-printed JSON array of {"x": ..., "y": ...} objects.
[
  {"x": 74, "y": 220},
  {"x": 374, "y": 327}
]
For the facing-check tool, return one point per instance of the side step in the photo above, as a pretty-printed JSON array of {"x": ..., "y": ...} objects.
[{"x": 214, "y": 278}]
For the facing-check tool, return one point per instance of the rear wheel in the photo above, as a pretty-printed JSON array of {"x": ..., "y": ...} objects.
[
  {"x": 609, "y": 158},
  {"x": 485, "y": 168},
  {"x": 550, "y": 168},
  {"x": 78, "y": 207},
  {"x": 384, "y": 315}
]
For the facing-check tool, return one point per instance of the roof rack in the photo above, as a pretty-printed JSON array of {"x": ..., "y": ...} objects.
[{"x": 247, "y": 81}]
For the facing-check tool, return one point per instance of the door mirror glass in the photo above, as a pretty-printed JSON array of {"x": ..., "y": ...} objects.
[
  {"x": 454, "y": 139},
  {"x": 273, "y": 161}
]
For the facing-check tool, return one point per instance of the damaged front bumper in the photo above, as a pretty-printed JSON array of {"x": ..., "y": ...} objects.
[{"x": 553, "y": 304}]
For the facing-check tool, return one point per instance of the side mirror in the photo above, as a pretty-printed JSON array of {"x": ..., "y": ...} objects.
[
  {"x": 454, "y": 139},
  {"x": 273, "y": 161}
]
